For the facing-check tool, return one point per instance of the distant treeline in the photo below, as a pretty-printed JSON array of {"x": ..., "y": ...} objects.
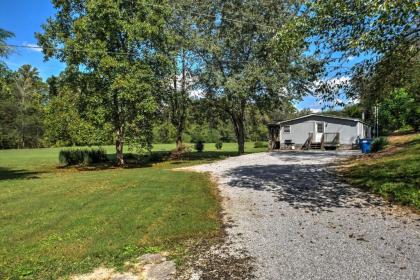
[{"x": 37, "y": 114}]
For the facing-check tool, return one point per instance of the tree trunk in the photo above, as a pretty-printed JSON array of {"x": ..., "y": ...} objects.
[
  {"x": 119, "y": 145},
  {"x": 241, "y": 138},
  {"x": 238, "y": 124},
  {"x": 182, "y": 105},
  {"x": 178, "y": 140}
]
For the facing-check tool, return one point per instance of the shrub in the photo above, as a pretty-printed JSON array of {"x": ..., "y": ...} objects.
[
  {"x": 178, "y": 152},
  {"x": 219, "y": 145},
  {"x": 259, "y": 144},
  {"x": 379, "y": 144},
  {"x": 82, "y": 156},
  {"x": 199, "y": 146},
  {"x": 158, "y": 156},
  {"x": 131, "y": 158}
]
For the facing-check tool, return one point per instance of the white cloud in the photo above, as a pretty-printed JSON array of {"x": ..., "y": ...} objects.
[
  {"x": 338, "y": 81},
  {"x": 334, "y": 84},
  {"x": 32, "y": 47},
  {"x": 190, "y": 83}
]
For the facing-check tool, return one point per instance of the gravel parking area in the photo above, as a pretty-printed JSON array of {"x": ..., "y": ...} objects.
[{"x": 295, "y": 218}]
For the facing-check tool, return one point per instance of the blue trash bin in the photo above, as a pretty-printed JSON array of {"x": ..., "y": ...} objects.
[{"x": 365, "y": 145}]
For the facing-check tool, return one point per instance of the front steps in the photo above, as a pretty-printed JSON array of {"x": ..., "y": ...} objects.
[{"x": 315, "y": 146}]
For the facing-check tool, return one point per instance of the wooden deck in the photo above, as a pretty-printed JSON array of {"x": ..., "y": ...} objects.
[{"x": 328, "y": 141}]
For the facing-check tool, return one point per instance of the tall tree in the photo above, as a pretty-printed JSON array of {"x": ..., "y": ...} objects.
[
  {"x": 381, "y": 38},
  {"x": 21, "y": 107},
  {"x": 4, "y": 49},
  {"x": 7, "y": 107},
  {"x": 29, "y": 93},
  {"x": 116, "y": 44},
  {"x": 69, "y": 117},
  {"x": 253, "y": 53},
  {"x": 398, "y": 110},
  {"x": 9, "y": 136},
  {"x": 181, "y": 50}
]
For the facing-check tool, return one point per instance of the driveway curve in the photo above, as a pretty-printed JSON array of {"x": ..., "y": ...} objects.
[{"x": 294, "y": 216}]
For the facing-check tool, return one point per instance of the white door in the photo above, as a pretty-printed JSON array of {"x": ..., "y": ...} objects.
[{"x": 319, "y": 130}]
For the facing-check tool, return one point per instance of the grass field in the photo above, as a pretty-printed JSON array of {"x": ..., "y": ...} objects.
[
  {"x": 393, "y": 173},
  {"x": 57, "y": 222},
  {"x": 40, "y": 159}
]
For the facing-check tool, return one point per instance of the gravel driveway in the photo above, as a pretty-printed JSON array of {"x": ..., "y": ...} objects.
[{"x": 290, "y": 212}]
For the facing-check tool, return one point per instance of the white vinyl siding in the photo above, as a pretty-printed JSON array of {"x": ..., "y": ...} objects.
[{"x": 300, "y": 129}]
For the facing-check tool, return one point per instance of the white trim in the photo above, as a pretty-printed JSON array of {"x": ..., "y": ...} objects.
[
  {"x": 318, "y": 135},
  {"x": 290, "y": 129}
]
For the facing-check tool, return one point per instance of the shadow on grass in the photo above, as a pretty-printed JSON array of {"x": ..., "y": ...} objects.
[
  {"x": 10, "y": 174},
  {"x": 147, "y": 160},
  {"x": 411, "y": 143},
  {"x": 133, "y": 160}
]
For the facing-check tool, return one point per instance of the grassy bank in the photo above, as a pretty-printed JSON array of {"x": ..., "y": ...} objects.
[
  {"x": 57, "y": 222},
  {"x": 393, "y": 173}
]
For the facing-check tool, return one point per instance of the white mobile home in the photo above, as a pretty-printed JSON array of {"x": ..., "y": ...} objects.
[{"x": 317, "y": 132}]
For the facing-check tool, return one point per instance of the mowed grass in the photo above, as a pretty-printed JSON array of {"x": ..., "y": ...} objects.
[
  {"x": 45, "y": 158},
  {"x": 58, "y": 222},
  {"x": 393, "y": 173}
]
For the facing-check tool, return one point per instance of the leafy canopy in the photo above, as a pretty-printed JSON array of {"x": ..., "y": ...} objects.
[
  {"x": 253, "y": 53},
  {"x": 381, "y": 38},
  {"x": 116, "y": 45}
]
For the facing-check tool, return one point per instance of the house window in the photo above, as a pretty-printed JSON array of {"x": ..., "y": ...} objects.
[
  {"x": 320, "y": 127},
  {"x": 286, "y": 129}
]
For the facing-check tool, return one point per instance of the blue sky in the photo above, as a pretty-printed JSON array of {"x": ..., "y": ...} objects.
[{"x": 25, "y": 17}]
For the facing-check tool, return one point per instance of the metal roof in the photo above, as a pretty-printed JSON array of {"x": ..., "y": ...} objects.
[{"x": 317, "y": 115}]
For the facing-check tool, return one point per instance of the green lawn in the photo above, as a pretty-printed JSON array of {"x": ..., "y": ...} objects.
[
  {"x": 57, "y": 222},
  {"x": 40, "y": 159},
  {"x": 393, "y": 173}
]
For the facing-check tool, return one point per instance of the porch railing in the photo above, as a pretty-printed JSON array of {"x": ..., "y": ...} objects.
[
  {"x": 308, "y": 141},
  {"x": 331, "y": 137}
]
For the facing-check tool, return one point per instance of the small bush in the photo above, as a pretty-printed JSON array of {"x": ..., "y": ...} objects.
[
  {"x": 199, "y": 146},
  {"x": 259, "y": 144},
  {"x": 379, "y": 144},
  {"x": 82, "y": 156},
  {"x": 158, "y": 156},
  {"x": 219, "y": 145},
  {"x": 131, "y": 156},
  {"x": 178, "y": 152}
]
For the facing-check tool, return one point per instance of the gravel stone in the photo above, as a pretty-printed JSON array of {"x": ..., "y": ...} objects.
[
  {"x": 148, "y": 267},
  {"x": 152, "y": 258},
  {"x": 161, "y": 271},
  {"x": 297, "y": 220},
  {"x": 125, "y": 276}
]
